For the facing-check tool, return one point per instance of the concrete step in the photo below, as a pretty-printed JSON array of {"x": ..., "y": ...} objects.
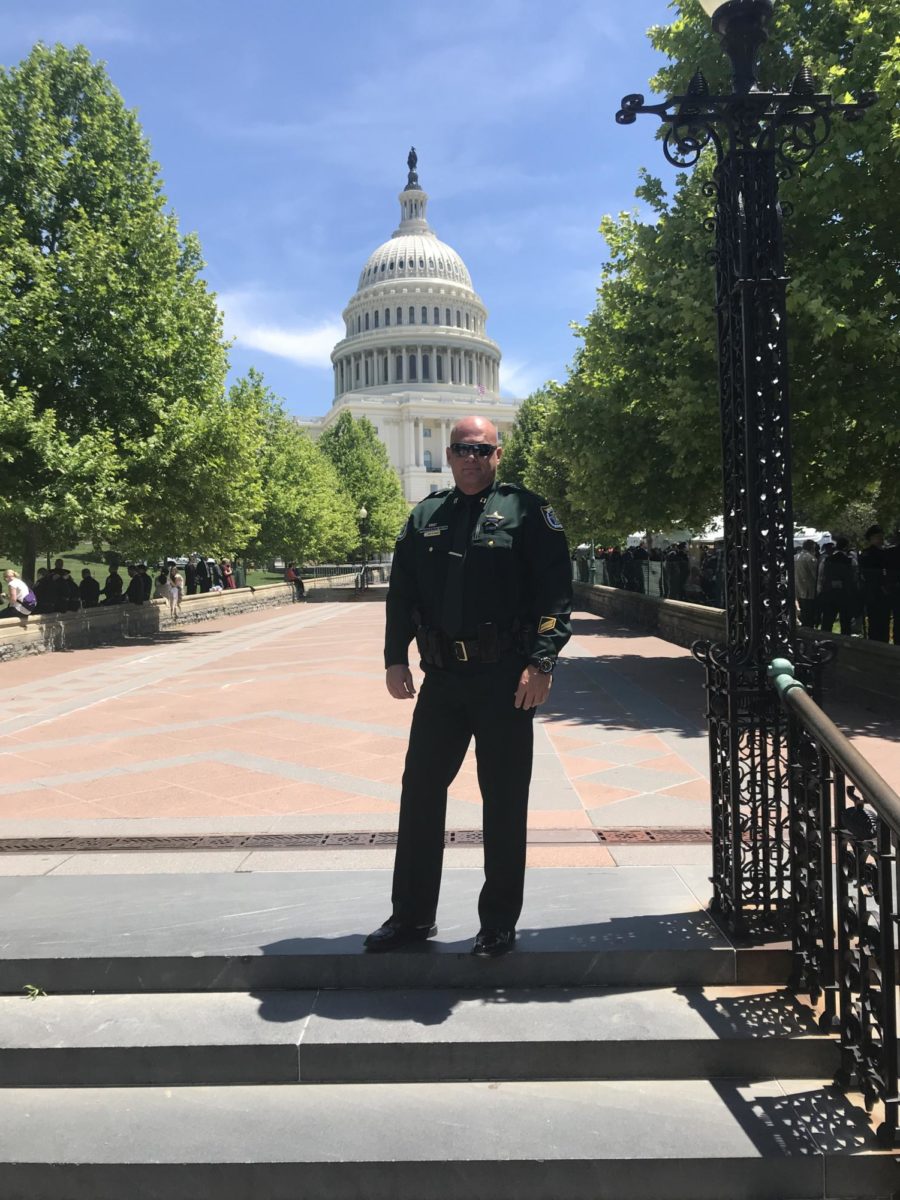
[
  {"x": 178, "y": 933},
  {"x": 648, "y": 1140},
  {"x": 409, "y": 1036}
]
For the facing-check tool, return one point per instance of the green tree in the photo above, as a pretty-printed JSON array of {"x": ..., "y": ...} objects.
[
  {"x": 365, "y": 470},
  {"x": 305, "y": 513},
  {"x": 638, "y": 414},
  {"x": 60, "y": 486},
  {"x": 105, "y": 320}
]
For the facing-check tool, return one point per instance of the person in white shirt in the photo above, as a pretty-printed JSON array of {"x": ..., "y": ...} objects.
[{"x": 20, "y": 598}]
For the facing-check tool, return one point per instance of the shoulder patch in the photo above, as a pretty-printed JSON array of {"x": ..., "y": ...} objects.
[
  {"x": 551, "y": 518},
  {"x": 547, "y": 625}
]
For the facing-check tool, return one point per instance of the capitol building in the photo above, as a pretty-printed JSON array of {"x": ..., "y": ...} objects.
[{"x": 416, "y": 356}]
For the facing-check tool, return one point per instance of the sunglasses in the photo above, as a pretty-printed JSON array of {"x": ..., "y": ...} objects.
[{"x": 476, "y": 449}]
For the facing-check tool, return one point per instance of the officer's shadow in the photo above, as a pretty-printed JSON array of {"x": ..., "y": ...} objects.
[{"x": 333, "y": 980}]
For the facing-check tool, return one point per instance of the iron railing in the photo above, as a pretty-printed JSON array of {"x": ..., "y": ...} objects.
[{"x": 845, "y": 887}]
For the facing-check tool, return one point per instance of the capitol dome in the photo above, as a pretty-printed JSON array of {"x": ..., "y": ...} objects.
[{"x": 415, "y": 321}]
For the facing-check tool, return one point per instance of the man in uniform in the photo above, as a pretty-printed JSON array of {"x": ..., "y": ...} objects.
[{"x": 482, "y": 580}]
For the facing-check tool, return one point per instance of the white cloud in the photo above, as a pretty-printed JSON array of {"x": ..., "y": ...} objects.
[
  {"x": 89, "y": 28},
  {"x": 307, "y": 344},
  {"x": 519, "y": 379}
]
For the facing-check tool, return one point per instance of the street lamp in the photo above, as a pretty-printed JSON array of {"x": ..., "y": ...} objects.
[
  {"x": 363, "y": 515},
  {"x": 755, "y": 135}
]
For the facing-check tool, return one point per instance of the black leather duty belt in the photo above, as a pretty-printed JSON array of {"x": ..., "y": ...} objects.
[{"x": 471, "y": 650}]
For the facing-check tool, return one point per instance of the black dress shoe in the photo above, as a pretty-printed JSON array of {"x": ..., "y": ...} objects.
[
  {"x": 393, "y": 935},
  {"x": 491, "y": 943}
]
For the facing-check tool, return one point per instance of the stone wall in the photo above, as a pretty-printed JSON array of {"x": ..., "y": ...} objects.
[
  {"x": 870, "y": 666},
  {"x": 121, "y": 622}
]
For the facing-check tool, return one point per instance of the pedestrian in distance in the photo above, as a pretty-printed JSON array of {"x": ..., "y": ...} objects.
[
  {"x": 175, "y": 590},
  {"x": 292, "y": 576},
  {"x": 839, "y": 596},
  {"x": 88, "y": 589},
  {"x": 112, "y": 588},
  {"x": 482, "y": 580},
  {"x": 20, "y": 598},
  {"x": 806, "y": 579},
  {"x": 873, "y": 580}
]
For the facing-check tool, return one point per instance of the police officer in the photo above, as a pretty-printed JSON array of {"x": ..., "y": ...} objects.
[{"x": 482, "y": 580}]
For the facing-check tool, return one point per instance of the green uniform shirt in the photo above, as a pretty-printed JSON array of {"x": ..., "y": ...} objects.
[{"x": 516, "y": 572}]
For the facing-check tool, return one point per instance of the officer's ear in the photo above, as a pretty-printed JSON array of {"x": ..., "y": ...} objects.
[{"x": 499, "y": 453}]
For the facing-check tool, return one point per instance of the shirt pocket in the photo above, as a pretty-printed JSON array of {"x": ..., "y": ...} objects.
[{"x": 498, "y": 541}]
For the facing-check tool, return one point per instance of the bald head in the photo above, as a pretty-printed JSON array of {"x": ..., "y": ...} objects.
[
  {"x": 472, "y": 472},
  {"x": 474, "y": 429}
]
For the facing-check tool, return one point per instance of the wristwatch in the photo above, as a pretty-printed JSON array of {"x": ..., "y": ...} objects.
[{"x": 544, "y": 665}]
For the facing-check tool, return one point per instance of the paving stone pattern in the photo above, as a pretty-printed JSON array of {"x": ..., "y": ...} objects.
[{"x": 281, "y": 723}]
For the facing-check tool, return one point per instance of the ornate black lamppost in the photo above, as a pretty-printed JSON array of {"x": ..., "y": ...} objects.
[{"x": 757, "y": 136}]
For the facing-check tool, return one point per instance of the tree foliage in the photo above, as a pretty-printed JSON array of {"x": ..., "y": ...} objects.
[
  {"x": 365, "y": 470},
  {"x": 62, "y": 486},
  {"x": 305, "y": 513},
  {"x": 637, "y": 418},
  {"x": 106, "y": 323}
]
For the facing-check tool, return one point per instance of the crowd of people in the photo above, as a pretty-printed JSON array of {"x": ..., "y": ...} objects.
[
  {"x": 676, "y": 578},
  {"x": 56, "y": 591},
  {"x": 860, "y": 590},
  {"x": 834, "y": 584}
]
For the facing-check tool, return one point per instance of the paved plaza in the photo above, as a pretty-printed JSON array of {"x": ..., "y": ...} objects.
[{"x": 279, "y": 723}]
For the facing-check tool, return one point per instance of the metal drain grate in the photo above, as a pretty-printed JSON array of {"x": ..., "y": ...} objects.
[{"x": 337, "y": 841}]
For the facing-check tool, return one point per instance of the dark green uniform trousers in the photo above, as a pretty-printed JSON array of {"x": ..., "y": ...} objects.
[{"x": 453, "y": 706}]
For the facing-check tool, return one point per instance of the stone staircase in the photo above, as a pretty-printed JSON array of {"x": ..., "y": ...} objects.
[{"x": 207, "y": 1035}]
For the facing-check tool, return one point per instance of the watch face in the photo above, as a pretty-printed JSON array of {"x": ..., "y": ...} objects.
[{"x": 545, "y": 665}]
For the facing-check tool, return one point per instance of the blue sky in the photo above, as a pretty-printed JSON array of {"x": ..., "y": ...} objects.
[{"x": 282, "y": 130}]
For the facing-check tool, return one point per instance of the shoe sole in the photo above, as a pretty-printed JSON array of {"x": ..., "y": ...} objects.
[
  {"x": 493, "y": 953},
  {"x": 377, "y": 948}
]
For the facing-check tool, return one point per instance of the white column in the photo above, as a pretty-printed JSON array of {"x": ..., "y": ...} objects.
[
  {"x": 443, "y": 445},
  {"x": 420, "y": 442}
]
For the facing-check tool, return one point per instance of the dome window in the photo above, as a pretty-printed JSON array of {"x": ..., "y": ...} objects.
[
  {"x": 413, "y": 373},
  {"x": 437, "y": 316},
  {"x": 467, "y": 320},
  {"x": 391, "y": 265},
  {"x": 447, "y": 315},
  {"x": 387, "y": 316},
  {"x": 458, "y": 319},
  {"x": 426, "y": 369},
  {"x": 412, "y": 263},
  {"x": 424, "y": 320},
  {"x": 375, "y": 318},
  {"x": 441, "y": 263},
  {"x": 412, "y": 315},
  {"x": 421, "y": 264},
  {"x": 383, "y": 265},
  {"x": 398, "y": 369},
  {"x": 439, "y": 367},
  {"x": 358, "y": 324},
  {"x": 399, "y": 315},
  {"x": 367, "y": 321},
  {"x": 431, "y": 264}
]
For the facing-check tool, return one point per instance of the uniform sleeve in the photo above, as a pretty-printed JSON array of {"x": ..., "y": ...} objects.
[
  {"x": 401, "y": 600},
  {"x": 550, "y": 568}
]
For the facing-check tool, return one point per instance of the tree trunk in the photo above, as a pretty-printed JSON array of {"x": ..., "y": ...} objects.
[{"x": 29, "y": 553}]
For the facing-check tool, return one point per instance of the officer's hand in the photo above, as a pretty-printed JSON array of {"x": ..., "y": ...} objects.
[
  {"x": 399, "y": 682},
  {"x": 533, "y": 689}
]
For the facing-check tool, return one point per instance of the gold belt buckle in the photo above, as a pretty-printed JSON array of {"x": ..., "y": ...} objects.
[{"x": 459, "y": 649}]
